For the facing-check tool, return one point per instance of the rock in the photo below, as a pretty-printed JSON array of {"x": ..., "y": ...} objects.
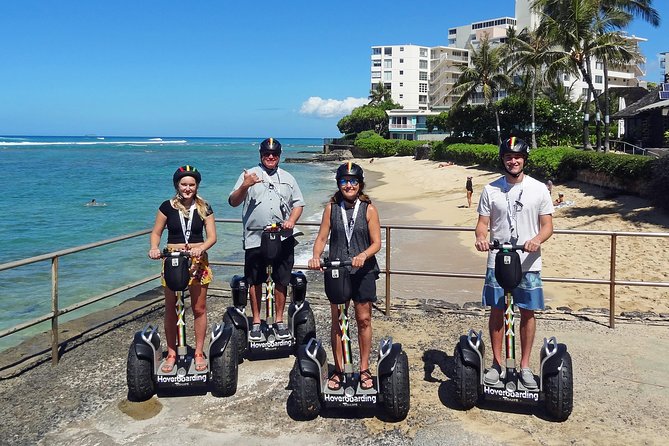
[{"x": 422, "y": 152}]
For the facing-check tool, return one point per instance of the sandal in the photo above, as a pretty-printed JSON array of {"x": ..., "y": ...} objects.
[
  {"x": 200, "y": 366},
  {"x": 366, "y": 380},
  {"x": 168, "y": 364},
  {"x": 335, "y": 380}
]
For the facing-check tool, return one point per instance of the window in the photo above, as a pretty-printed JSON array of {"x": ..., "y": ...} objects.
[
  {"x": 599, "y": 66},
  {"x": 423, "y": 52},
  {"x": 387, "y": 75},
  {"x": 401, "y": 48},
  {"x": 422, "y": 76},
  {"x": 387, "y": 85},
  {"x": 422, "y": 64},
  {"x": 388, "y": 51},
  {"x": 584, "y": 91},
  {"x": 599, "y": 79},
  {"x": 565, "y": 77},
  {"x": 452, "y": 31},
  {"x": 388, "y": 63},
  {"x": 376, "y": 63},
  {"x": 401, "y": 84},
  {"x": 376, "y": 51},
  {"x": 401, "y": 60},
  {"x": 422, "y": 99},
  {"x": 401, "y": 96},
  {"x": 422, "y": 88},
  {"x": 401, "y": 72},
  {"x": 376, "y": 75}
]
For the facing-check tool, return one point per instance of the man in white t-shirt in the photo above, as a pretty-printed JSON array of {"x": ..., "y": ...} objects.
[{"x": 517, "y": 209}]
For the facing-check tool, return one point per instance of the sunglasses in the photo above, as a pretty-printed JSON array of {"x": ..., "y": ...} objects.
[
  {"x": 352, "y": 182},
  {"x": 268, "y": 154}
]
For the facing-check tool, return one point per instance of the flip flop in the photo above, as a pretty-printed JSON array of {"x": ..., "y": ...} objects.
[
  {"x": 200, "y": 366},
  {"x": 168, "y": 363}
]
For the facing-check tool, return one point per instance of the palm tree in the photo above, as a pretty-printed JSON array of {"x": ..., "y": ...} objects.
[
  {"x": 620, "y": 13},
  {"x": 486, "y": 74},
  {"x": 379, "y": 95},
  {"x": 529, "y": 52}
]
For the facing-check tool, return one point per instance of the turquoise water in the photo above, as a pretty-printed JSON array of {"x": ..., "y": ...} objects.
[{"x": 49, "y": 180}]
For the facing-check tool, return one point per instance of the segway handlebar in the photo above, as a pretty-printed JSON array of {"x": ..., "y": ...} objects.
[
  {"x": 272, "y": 227},
  {"x": 167, "y": 253},
  {"x": 326, "y": 263},
  {"x": 506, "y": 245}
]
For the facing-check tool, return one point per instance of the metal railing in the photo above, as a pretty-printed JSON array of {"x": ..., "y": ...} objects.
[
  {"x": 387, "y": 270},
  {"x": 623, "y": 146}
]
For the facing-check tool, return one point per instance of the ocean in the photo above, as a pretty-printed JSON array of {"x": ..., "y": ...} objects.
[{"x": 49, "y": 181}]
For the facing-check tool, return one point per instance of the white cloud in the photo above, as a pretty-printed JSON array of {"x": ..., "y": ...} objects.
[{"x": 330, "y": 108}]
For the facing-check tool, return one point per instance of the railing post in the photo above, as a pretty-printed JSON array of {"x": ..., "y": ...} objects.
[
  {"x": 387, "y": 271},
  {"x": 612, "y": 285},
  {"x": 54, "y": 308}
]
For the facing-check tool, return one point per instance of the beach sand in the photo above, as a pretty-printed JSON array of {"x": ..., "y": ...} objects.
[{"x": 421, "y": 192}]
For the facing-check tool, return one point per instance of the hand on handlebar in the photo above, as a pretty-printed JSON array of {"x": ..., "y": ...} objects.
[
  {"x": 359, "y": 260},
  {"x": 155, "y": 254},
  {"x": 287, "y": 224},
  {"x": 314, "y": 263},
  {"x": 482, "y": 245},
  {"x": 532, "y": 245}
]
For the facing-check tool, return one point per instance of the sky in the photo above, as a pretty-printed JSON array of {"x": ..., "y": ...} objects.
[{"x": 216, "y": 68}]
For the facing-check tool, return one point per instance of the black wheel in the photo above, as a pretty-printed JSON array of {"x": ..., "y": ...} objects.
[
  {"x": 305, "y": 394},
  {"x": 466, "y": 380},
  {"x": 242, "y": 340},
  {"x": 224, "y": 370},
  {"x": 395, "y": 388},
  {"x": 304, "y": 332},
  {"x": 139, "y": 375},
  {"x": 559, "y": 391}
]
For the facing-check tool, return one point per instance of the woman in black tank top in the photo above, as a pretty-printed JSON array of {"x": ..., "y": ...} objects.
[
  {"x": 352, "y": 224},
  {"x": 187, "y": 217}
]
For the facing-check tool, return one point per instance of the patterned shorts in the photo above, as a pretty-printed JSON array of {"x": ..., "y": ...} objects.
[
  {"x": 200, "y": 271},
  {"x": 529, "y": 295}
]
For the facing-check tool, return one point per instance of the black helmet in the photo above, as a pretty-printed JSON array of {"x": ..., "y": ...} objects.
[
  {"x": 350, "y": 169},
  {"x": 270, "y": 145},
  {"x": 514, "y": 145},
  {"x": 186, "y": 171}
]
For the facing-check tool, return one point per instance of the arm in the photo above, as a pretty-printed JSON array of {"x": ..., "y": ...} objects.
[
  {"x": 321, "y": 239},
  {"x": 238, "y": 195},
  {"x": 482, "y": 244},
  {"x": 156, "y": 234},
  {"x": 293, "y": 217},
  {"x": 545, "y": 232},
  {"x": 374, "y": 237}
]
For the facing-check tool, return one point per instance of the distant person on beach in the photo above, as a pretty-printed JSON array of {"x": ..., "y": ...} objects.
[
  {"x": 187, "y": 217},
  {"x": 559, "y": 199},
  {"x": 447, "y": 164},
  {"x": 549, "y": 186},
  {"x": 270, "y": 195},
  {"x": 95, "y": 203},
  {"x": 352, "y": 223},
  {"x": 470, "y": 190},
  {"x": 518, "y": 209}
]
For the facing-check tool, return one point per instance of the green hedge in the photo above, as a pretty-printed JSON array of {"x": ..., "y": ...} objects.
[{"x": 376, "y": 145}]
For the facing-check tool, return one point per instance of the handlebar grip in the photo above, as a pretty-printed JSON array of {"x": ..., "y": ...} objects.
[{"x": 506, "y": 245}]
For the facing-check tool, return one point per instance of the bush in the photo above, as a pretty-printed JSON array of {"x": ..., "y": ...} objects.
[{"x": 376, "y": 145}]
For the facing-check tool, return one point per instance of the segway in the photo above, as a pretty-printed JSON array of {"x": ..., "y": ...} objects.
[
  {"x": 309, "y": 376},
  {"x": 555, "y": 375},
  {"x": 144, "y": 375},
  {"x": 301, "y": 321}
]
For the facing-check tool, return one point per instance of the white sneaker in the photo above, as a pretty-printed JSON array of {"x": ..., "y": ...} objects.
[
  {"x": 494, "y": 374},
  {"x": 527, "y": 378}
]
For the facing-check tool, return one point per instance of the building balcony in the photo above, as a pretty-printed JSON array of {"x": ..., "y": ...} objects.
[{"x": 410, "y": 127}]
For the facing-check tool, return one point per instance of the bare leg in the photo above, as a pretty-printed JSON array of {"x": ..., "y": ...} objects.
[
  {"x": 363, "y": 317},
  {"x": 255, "y": 294},
  {"x": 280, "y": 299},
  {"x": 528, "y": 327},
  {"x": 496, "y": 328},
  {"x": 198, "y": 300},
  {"x": 469, "y": 198},
  {"x": 335, "y": 339}
]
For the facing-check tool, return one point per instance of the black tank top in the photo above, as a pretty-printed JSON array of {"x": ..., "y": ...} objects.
[
  {"x": 340, "y": 247},
  {"x": 175, "y": 232}
]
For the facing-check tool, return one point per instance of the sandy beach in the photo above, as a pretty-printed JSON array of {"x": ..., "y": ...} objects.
[{"x": 421, "y": 192}]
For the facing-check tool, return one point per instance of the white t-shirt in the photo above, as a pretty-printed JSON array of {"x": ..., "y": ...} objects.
[{"x": 514, "y": 211}]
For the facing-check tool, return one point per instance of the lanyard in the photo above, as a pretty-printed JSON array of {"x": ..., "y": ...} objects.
[
  {"x": 512, "y": 210},
  {"x": 348, "y": 226},
  {"x": 186, "y": 229}
]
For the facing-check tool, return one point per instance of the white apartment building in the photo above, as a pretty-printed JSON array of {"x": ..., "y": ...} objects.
[
  {"x": 405, "y": 71},
  {"x": 664, "y": 66},
  {"x": 446, "y": 64},
  {"x": 469, "y": 36}
]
